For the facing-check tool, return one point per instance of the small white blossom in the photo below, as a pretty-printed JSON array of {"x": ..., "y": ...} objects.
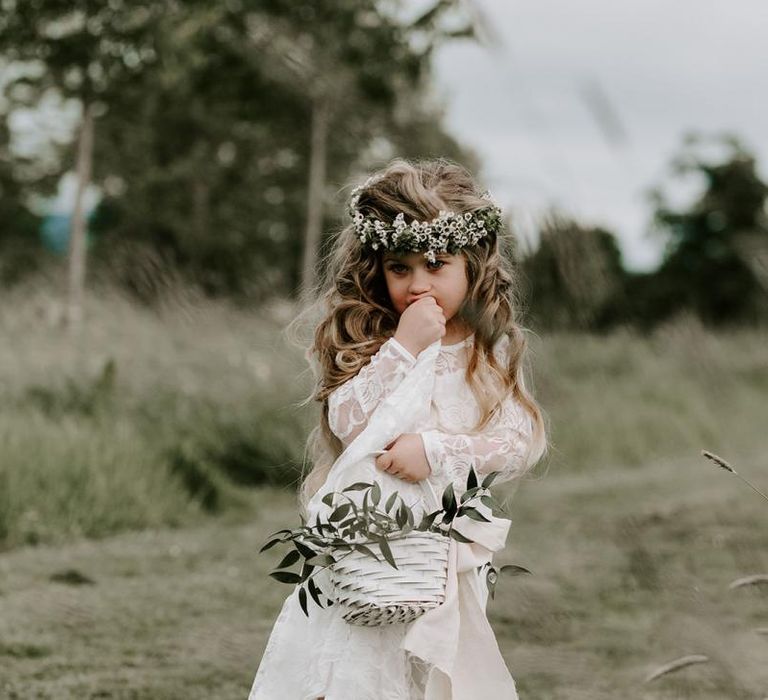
[{"x": 449, "y": 230}]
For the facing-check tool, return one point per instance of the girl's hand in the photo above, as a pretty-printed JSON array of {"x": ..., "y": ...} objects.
[
  {"x": 420, "y": 325},
  {"x": 405, "y": 458}
]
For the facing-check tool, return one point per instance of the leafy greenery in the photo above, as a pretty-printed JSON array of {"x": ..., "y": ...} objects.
[
  {"x": 351, "y": 527},
  {"x": 717, "y": 247}
]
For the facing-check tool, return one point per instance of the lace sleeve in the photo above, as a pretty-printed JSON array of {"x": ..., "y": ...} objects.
[
  {"x": 503, "y": 447},
  {"x": 351, "y": 404}
]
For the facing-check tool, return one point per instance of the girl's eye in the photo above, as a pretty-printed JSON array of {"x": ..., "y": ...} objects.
[{"x": 398, "y": 269}]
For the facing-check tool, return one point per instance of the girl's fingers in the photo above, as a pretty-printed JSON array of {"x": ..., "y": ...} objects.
[{"x": 386, "y": 463}]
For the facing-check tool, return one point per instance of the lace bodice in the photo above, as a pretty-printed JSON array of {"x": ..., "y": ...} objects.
[{"x": 450, "y": 446}]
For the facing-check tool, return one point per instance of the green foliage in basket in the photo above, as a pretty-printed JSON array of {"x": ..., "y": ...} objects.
[{"x": 353, "y": 527}]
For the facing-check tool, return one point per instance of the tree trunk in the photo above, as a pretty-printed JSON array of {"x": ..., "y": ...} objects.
[
  {"x": 317, "y": 165},
  {"x": 77, "y": 235},
  {"x": 200, "y": 194}
]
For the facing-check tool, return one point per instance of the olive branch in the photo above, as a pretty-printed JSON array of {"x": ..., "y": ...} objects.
[{"x": 351, "y": 527}]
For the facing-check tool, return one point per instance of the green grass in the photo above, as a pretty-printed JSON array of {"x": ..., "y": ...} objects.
[
  {"x": 629, "y": 400},
  {"x": 145, "y": 419},
  {"x": 142, "y": 419}
]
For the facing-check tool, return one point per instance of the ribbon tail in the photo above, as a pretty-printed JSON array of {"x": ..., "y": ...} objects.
[
  {"x": 434, "y": 637},
  {"x": 480, "y": 670},
  {"x": 456, "y": 638}
]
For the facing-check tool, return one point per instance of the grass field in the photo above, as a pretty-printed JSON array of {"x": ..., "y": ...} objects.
[
  {"x": 630, "y": 570},
  {"x": 133, "y": 503}
]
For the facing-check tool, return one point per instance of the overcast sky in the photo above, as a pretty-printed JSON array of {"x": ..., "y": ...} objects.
[{"x": 662, "y": 68}]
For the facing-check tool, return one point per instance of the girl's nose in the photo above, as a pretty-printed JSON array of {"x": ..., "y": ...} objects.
[{"x": 419, "y": 284}]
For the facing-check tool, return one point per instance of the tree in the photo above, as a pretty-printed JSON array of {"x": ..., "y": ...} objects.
[
  {"x": 20, "y": 247},
  {"x": 217, "y": 166},
  {"x": 88, "y": 51},
  {"x": 200, "y": 164},
  {"x": 715, "y": 256},
  {"x": 575, "y": 277},
  {"x": 205, "y": 154},
  {"x": 346, "y": 58}
]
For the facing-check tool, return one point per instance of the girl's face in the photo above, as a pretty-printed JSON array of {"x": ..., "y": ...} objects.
[{"x": 411, "y": 277}]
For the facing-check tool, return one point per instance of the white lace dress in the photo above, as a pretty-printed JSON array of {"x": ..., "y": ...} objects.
[{"x": 323, "y": 656}]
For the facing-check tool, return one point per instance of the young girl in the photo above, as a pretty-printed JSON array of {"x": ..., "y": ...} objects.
[{"x": 418, "y": 273}]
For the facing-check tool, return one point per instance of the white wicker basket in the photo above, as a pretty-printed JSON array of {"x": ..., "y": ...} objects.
[{"x": 374, "y": 593}]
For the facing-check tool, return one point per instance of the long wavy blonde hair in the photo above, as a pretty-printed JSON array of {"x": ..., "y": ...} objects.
[{"x": 355, "y": 315}]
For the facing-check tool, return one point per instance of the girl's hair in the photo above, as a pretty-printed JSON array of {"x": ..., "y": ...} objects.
[{"x": 353, "y": 315}]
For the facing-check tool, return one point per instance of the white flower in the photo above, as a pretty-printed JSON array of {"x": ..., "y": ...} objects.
[{"x": 447, "y": 230}]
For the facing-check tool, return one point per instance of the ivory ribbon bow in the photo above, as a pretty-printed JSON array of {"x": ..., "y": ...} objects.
[{"x": 456, "y": 637}]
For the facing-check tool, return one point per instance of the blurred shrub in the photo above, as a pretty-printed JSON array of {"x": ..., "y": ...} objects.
[
  {"x": 575, "y": 279},
  {"x": 716, "y": 261},
  {"x": 86, "y": 398},
  {"x": 144, "y": 419}
]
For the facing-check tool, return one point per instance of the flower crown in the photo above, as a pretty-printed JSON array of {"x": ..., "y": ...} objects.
[{"x": 446, "y": 233}]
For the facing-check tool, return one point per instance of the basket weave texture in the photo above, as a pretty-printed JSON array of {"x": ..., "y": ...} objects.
[{"x": 374, "y": 593}]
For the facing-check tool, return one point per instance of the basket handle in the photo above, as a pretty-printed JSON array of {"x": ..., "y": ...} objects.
[{"x": 429, "y": 491}]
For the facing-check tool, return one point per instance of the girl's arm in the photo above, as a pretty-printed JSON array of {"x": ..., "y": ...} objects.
[
  {"x": 503, "y": 447},
  {"x": 351, "y": 404}
]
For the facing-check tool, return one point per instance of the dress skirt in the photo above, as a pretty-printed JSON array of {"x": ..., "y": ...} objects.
[{"x": 324, "y": 656}]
